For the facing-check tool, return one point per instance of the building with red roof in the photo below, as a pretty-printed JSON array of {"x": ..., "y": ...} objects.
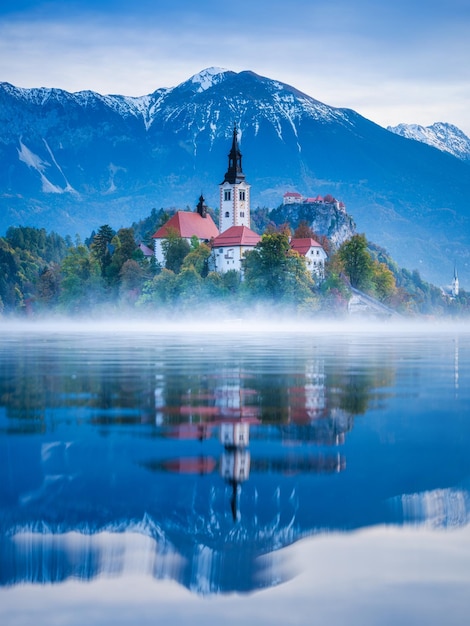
[
  {"x": 186, "y": 224},
  {"x": 292, "y": 197},
  {"x": 230, "y": 246},
  {"x": 313, "y": 253}
]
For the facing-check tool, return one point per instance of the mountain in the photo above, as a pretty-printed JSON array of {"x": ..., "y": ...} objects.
[
  {"x": 440, "y": 135},
  {"x": 72, "y": 162}
]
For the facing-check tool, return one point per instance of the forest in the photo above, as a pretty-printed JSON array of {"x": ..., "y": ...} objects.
[{"x": 43, "y": 273}]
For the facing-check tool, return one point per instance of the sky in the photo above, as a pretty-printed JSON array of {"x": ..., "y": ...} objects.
[{"x": 399, "y": 61}]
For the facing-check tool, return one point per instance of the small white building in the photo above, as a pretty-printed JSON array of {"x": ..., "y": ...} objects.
[
  {"x": 229, "y": 247},
  {"x": 313, "y": 253},
  {"x": 292, "y": 197}
]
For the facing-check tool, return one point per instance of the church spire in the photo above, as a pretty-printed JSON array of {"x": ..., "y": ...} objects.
[
  {"x": 455, "y": 283},
  {"x": 201, "y": 207},
  {"x": 234, "y": 204},
  {"x": 234, "y": 173}
]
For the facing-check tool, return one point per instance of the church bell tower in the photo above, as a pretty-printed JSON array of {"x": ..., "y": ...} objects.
[{"x": 234, "y": 204}]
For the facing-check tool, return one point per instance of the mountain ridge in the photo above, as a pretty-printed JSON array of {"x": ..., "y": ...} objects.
[
  {"x": 75, "y": 161},
  {"x": 440, "y": 135}
]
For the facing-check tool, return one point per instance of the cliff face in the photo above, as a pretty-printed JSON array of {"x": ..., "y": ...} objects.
[{"x": 324, "y": 218}]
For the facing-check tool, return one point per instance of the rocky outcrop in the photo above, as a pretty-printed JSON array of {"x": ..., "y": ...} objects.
[{"x": 324, "y": 218}]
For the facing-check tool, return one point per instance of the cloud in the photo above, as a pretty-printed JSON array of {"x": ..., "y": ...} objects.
[{"x": 385, "y": 61}]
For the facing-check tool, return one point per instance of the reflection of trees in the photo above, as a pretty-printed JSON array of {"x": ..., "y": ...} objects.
[
  {"x": 352, "y": 387},
  {"x": 39, "y": 382},
  {"x": 308, "y": 398}
]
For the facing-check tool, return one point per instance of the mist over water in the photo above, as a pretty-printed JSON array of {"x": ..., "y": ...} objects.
[{"x": 218, "y": 322}]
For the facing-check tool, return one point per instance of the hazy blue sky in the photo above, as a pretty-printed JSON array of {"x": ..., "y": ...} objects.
[{"x": 397, "y": 61}]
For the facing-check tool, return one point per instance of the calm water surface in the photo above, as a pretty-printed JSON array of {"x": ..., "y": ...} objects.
[{"x": 307, "y": 477}]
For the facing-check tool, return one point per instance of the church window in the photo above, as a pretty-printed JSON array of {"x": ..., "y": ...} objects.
[
  {"x": 242, "y": 195},
  {"x": 227, "y": 194},
  {"x": 242, "y": 213},
  {"x": 227, "y": 214}
]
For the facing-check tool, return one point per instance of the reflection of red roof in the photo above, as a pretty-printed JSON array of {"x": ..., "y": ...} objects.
[
  {"x": 303, "y": 245},
  {"x": 194, "y": 465},
  {"x": 236, "y": 236},
  {"x": 190, "y": 431},
  {"x": 187, "y": 224}
]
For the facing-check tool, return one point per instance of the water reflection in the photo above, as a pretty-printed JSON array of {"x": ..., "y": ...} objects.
[{"x": 198, "y": 462}]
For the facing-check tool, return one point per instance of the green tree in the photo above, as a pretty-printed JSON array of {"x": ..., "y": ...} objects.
[
  {"x": 159, "y": 290},
  {"x": 101, "y": 247},
  {"x": 274, "y": 272},
  {"x": 175, "y": 248},
  {"x": 357, "y": 262},
  {"x": 81, "y": 285},
  {"x": 124, "y": 248},
  {"x": 132, "y": 276},
  {"x": 8, "y": 275},
  {"x": 384, "y": 281},
  {"x": 48, "y": 286},
  {"x": 198, "y": 258}
]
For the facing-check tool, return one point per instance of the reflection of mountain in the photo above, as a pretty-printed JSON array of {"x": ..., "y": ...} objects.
[
  {"x": 441, "y": 508},
  {"x": 242, "y": 558},
  {"x": 93, "y": 508}
]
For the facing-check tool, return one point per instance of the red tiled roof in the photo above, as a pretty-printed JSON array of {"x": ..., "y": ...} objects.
[
  {"x": 295, "y": 194},
  {"x": 303, "y": 245},
  {"x": 236, "y": 236},
  {"x": 187, "y": 224}
]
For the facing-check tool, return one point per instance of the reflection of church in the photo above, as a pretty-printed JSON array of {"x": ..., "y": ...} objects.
[{"x": 241, "y": 462}]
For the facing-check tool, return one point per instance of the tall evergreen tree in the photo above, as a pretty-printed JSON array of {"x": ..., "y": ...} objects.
[{"x": 101, "y": 247}]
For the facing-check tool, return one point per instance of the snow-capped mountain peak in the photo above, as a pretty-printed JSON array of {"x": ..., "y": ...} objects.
[
  {"x": 207, "y": 78},
  {"x": 440, "y": 135}
]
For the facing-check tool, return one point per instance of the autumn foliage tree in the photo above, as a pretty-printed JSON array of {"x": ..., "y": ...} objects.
[{"x": 274, "y": 272}]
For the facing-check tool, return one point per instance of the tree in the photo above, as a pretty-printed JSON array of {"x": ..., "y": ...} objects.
[
  {"x": 131, "y": 277},
  {"x": 357, "y": 262},
  {"x": 81, "y": 284},
  {"x": 384, "y": 281},
  {"x": 273, "y": 271},
  {"x": 198, "y": 258},
  {"x": 303, "y": 231},
  {"x": 160, "y": 290},
  {"x": 124, "y": 248},
  {"x": 48, "y": 285},
  {"x": 8, "y": 275},
  {"x": 175, "y": 248},
  {"x": 100, "y": 247}
]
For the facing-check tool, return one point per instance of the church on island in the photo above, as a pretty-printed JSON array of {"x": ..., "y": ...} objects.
[{"x": 234, "y": 237}]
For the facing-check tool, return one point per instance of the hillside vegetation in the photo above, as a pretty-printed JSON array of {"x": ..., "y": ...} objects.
[{"x": 44, "y": 274}]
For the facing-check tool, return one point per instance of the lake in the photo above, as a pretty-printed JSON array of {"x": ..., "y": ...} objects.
[{"x": 240, "y": 472}]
